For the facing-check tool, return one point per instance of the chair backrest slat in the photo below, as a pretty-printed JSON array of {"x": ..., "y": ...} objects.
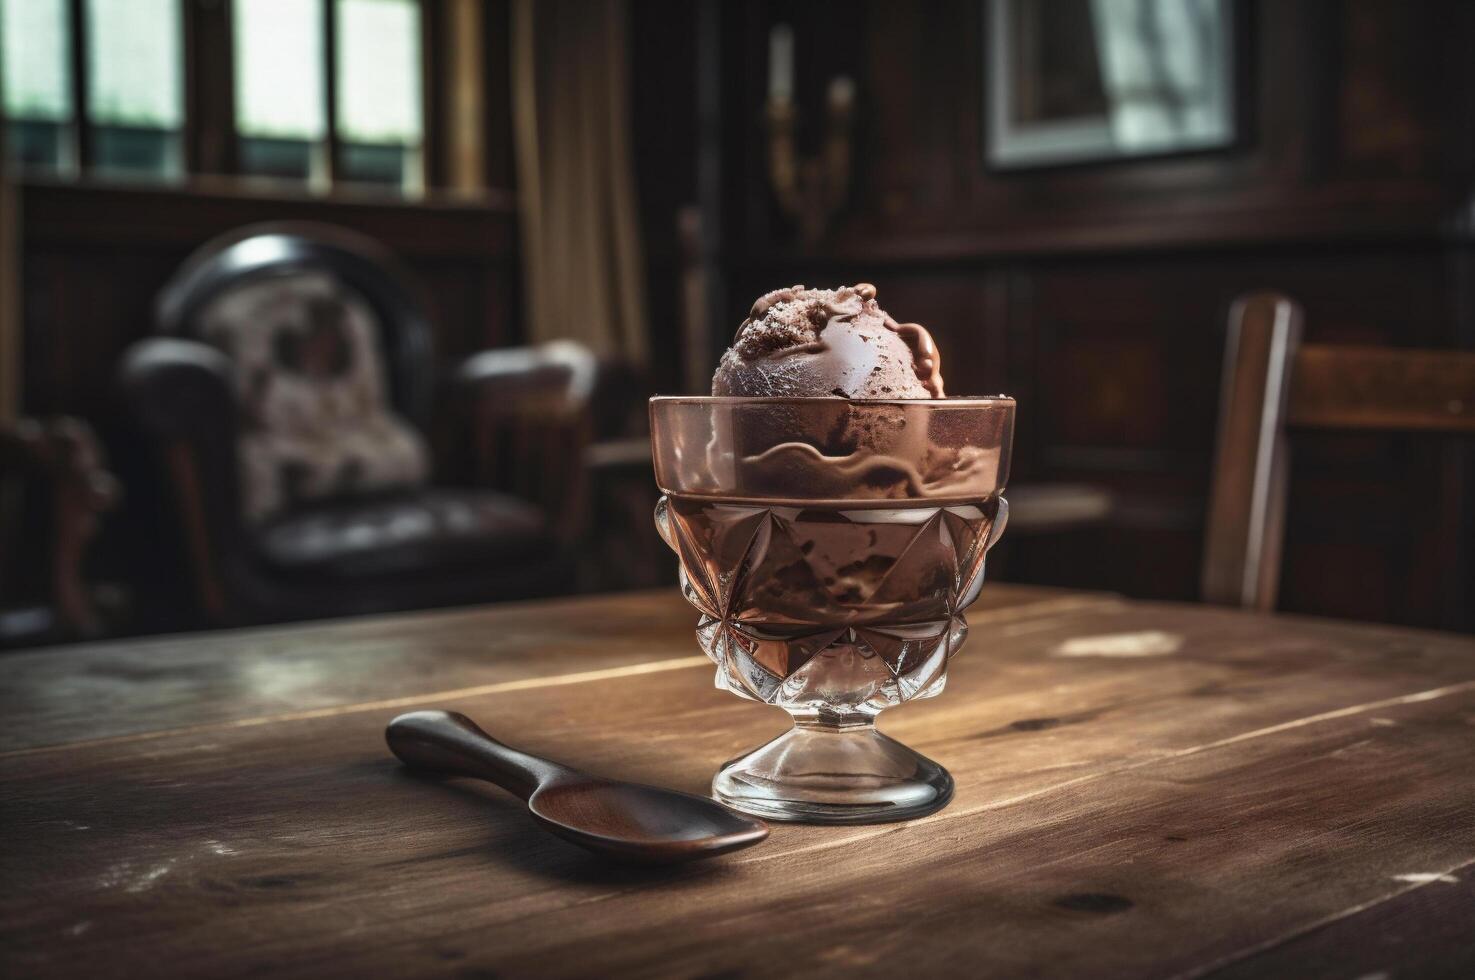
[
  {"x": 1247, "y": 498},
  {"x": 1383, "y": 388}
]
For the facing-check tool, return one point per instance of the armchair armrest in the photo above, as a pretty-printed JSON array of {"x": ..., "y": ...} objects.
[
  {"x": 555, "y": 377},
  {"x": 527, "y": 410},
  {"x": 182, "y": 395},
  {"x": 179, "y": 389}
]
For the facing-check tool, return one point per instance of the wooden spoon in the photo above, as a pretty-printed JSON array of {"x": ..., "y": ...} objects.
[{"x": 626, "y": 821}]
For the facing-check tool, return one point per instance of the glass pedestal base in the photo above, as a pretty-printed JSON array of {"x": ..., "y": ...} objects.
[{"x": 834, "y": 774}]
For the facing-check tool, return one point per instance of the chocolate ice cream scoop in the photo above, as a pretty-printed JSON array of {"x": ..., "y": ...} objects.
[{"x": 811, "y": 343}]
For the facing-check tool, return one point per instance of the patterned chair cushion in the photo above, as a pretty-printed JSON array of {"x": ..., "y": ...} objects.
[{"x": 315, "y": 422}]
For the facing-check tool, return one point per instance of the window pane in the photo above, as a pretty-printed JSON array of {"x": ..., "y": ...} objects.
[
  {"x": 37, "y": 80},
  {"x": 135, "y": 93},
  {"x": 135, "y": 63},
  {"x": 279, "y": 69},
  {"x": 38, "y": 77},
  {"x": 281, "y": 109},
  {"x": 378, "y": 79},
  {"x": 379, "y": 71}
]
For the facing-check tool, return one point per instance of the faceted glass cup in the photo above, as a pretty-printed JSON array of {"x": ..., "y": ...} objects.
[{"x": 830, "y": 547}]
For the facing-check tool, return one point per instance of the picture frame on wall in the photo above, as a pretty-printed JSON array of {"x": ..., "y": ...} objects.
[{"x": 1079, "y": 81}]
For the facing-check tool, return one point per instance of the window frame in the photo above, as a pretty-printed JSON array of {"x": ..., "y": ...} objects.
[{"x": 210, "y": 140}]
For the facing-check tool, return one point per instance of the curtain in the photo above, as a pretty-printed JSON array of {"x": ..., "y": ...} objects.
[{"x": 582, "y": 262}]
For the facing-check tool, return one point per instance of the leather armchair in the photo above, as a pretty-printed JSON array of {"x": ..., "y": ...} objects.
[{"x": 525, "y": 415}]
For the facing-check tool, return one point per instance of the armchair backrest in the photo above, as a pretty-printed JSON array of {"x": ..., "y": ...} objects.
[
  {"x": 363, "y": 268},
  {"x": 328, "y": 356}
]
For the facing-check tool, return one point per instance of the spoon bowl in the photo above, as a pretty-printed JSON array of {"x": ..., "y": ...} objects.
[
  {"x": 632, "y": 822},
  {"x": 624, "y": 821}
]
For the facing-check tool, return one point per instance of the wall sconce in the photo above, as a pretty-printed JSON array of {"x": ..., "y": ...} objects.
[{"x": 810, "y": 190}]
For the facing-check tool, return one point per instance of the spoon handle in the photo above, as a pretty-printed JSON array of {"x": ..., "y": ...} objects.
[{"x": 449, "y": 742}]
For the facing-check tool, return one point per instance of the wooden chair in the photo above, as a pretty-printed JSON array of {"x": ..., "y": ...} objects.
[
  {"x": 1271, "y": 382},
  {"x": 61, "y": 458}
]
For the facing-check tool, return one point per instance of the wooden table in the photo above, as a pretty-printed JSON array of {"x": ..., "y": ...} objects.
[{"x": 1143, "y": 790}]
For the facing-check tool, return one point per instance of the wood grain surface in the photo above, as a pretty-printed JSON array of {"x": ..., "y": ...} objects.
[{"x": 1144, "y": 790}]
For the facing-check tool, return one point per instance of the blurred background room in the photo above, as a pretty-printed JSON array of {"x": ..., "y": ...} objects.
[{"x": 313, "y": 308}]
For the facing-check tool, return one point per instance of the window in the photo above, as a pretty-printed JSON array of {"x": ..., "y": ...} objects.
[
  {"x": 320, "y": 91},
  {"x": 35, "y": 42},
  {"x": 281, "y": 114},
  {"x": 135, "y": 92},
  {"x": 287, "y": 51},
  {"x": 378, "y": 91},
  {"x": 1071, "y": 81}
]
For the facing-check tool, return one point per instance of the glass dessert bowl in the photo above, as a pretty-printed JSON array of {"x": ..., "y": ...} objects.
[{"x": 830, "y": 547}]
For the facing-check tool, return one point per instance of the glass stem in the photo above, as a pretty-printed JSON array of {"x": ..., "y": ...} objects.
[{"x": 833, "y": 723}]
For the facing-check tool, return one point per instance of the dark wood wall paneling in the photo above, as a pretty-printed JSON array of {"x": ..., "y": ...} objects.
[
  {"x": 664, "y": 124},
  {"x": 1097, "y": 293}
]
